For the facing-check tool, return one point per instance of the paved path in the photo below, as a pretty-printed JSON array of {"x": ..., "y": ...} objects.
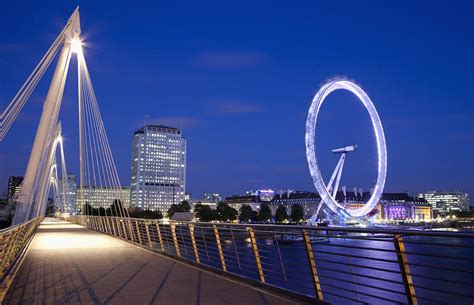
[{"x": 69, "y": 264}]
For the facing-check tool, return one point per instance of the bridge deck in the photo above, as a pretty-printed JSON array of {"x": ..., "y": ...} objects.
[{"x": 69, "y": 264}]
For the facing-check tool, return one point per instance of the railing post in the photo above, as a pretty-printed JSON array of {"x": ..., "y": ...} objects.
[
  {"x": 138, "y": 232},
  {"x": 117, "y": 225},
  {"x": 132, "y": 235},
  {"x": 98, "y": 226},
  {"x": 405, "y": 270},
  {"x": 106, "y": 221},
  {"x": 312, "y": 266},
  {"x": 159, "y": 236},
  {"x": 109, "y": 224},
  {"x": 219, "y": 247},
  {"x": 103, "y": 225},
  {"x": 122, "y": 221},
  {"x": 147, "y": 230},
  {"x": 193, "y": 241},
  {"x": 175, "y": 239},
  {"x": 253, "y": 241}
]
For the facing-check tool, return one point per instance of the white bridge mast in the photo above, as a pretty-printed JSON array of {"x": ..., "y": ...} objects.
[{"x": 32, "y": 198}]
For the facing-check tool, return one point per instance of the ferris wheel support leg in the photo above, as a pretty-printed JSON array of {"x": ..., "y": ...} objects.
[
  {"x": 334, "y": 173},
  {"x": 339, "y": 174}
]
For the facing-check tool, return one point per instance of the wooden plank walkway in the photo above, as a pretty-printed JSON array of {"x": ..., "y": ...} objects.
[{"x": 69, "y": 264}]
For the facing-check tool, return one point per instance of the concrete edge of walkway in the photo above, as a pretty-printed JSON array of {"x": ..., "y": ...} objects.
[{"x": 268, "y": 289}]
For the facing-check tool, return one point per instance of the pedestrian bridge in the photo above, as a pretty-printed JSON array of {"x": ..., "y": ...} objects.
[
  {"x": 70, "y": 264},
  {"x": 115, "y": 260}
]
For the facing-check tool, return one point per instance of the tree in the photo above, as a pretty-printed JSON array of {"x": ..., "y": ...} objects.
[
  {"x": 297, "y": 212},
  {"x": 117, "y": 209},
  {"x": 280, "y": 214},
  {"x": 204, "y": 212},
  {"x": 246, "y": 213},
  {"x": 185, "y": 206},
  {"x": 101, "y": 211},
  {"x": 148, "y": 214},
  {"x": 264, "y": 214},
  {"x": 145, "y": 214},
  {"x": 135, "y": 212},
  {"x": 225, "y": 212},
  {"x": 181, "y": 207},
  {"x": 173, "y": 209},
  {"x": 88, "y": 210}
]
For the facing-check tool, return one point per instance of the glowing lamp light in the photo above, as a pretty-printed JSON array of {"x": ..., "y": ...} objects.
[{"x": 76, "y": 45}]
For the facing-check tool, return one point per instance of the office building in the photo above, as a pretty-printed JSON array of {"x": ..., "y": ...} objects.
[
  {"x": 70, "y": 189},
  {"x": 98, "y": 197},
  {"x": 446, "y": 203},
  {"x": 14, "y": 187},
  {"x": 158, "y": 167}
]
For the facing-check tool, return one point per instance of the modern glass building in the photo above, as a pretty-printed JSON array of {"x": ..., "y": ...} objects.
[
  {"x": 445, "y": 203},
  {"x": 71, "y": 189},
  {"x": 14, "y": 187},
  {"x": 158, "y": 167}
]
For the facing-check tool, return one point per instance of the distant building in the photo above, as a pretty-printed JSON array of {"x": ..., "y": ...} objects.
[
  {"x": 391, "y": 207},
  {"x": 71, "y": 189},
  {"x": 14, "y": 186},
  {"x": 309, "y": 201},
  {"x": 98, "y": 197},
  {"x": 216, "y": 197},
  {"x": 395, "y": 207},
  {"x": 237, "y": 201},
  {"x": 265, "y": 195},
  {"x": 445, "y": 203},
  {"x": 158, "y": 167},
  {"x": 423, "y": 210},
  {"x": 210, "y": 199}
]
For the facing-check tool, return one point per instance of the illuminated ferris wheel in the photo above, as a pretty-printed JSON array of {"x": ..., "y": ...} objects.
[{"x": 328, "y": 196}]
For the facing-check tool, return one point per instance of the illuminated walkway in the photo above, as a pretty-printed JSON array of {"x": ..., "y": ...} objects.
[{"x": 69, "y": 264}]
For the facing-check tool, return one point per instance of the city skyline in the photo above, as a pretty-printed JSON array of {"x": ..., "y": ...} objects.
[{"x": 257, "y": 129}]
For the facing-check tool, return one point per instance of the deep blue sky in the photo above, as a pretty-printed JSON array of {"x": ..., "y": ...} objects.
[{"x": 239, "y": 78}]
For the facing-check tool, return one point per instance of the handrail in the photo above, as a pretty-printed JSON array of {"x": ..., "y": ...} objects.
[
  {"x": 13, "y": 242},
  {"x": 388, "y": 231},
  {"x": 12, "y": 228},
  {"x": 323, "y": 263}
]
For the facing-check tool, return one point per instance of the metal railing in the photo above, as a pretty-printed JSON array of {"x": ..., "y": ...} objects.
[
  {"x": 338, "y": 265},
  {"x": 13, "y": 242}
]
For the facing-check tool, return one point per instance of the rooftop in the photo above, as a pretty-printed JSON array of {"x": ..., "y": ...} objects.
[{"x": 163, "y": 127}]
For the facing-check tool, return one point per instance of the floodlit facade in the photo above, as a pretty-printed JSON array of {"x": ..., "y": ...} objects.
[
  {"x": 102, "y": 197},
  {"x": 445, "y": 203},
  {"x": 158, "y": 167},
  {"x": 71, "y": 189}
]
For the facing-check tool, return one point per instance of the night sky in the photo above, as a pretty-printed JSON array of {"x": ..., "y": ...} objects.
[{"x": 239, "y": 77}]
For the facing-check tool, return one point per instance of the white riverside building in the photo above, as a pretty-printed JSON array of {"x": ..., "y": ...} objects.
[
  {"x": 102, "y": 197},
  {"x": 158, "y": 168},
  {"x": 445, "y": 203}
]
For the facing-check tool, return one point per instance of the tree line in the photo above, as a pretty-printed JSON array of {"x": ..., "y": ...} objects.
[{"x": 223, "y": 212}]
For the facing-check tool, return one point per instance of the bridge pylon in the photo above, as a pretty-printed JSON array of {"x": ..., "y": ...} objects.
[{"x": 32, "y": 198}]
